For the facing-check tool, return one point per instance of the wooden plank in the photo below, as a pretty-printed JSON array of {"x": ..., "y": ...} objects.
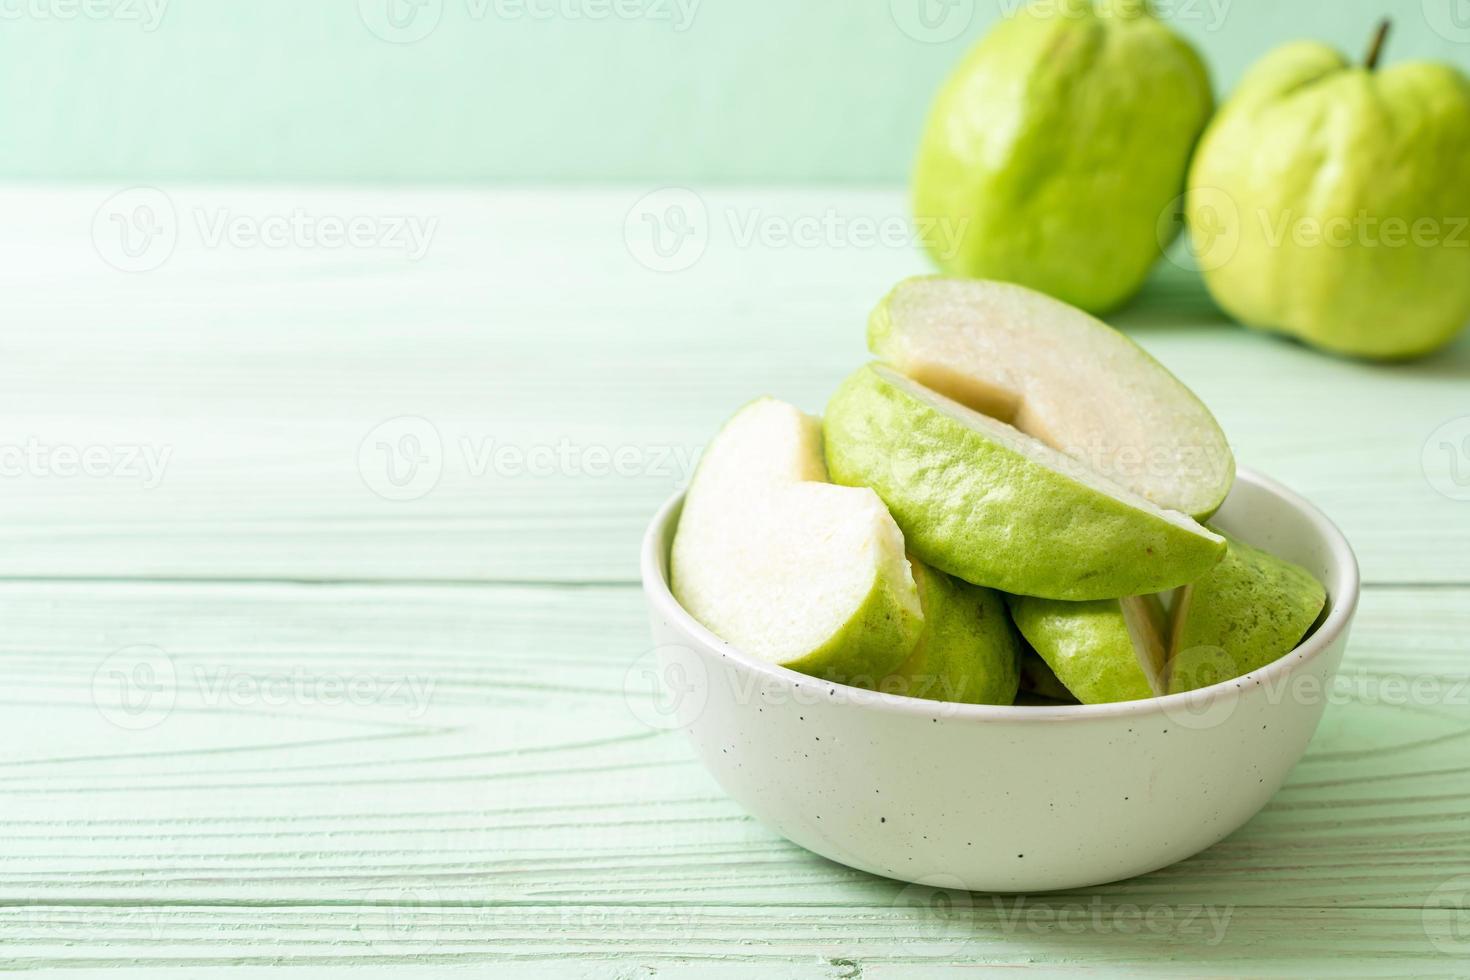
[
  {"x": 479, "y": 791},
  {"x": 744, "y": 942},
  {"x": 568, "y": 388}
]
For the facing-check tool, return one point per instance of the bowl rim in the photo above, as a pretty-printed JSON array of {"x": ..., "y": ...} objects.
[{"x": 1343, "y": 594}]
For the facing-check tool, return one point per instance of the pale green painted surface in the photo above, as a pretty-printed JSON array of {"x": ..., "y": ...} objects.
[
  {"x": 724, "y": 90},
  {"x": 487, "y": 797}
]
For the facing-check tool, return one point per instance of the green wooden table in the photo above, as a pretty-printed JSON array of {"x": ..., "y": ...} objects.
[{"x": 317, "y": 576}]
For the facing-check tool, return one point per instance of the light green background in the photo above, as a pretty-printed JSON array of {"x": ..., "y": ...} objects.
[{"x": 715, "y": 90}]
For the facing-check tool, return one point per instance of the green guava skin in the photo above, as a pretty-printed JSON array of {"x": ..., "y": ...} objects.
[
  {"x": 968, "y": 651},
  {"x": 1057, "y": 149},
  {"x": 1298, "y": 181},
  {"x": 1249, "y": 610},
  {"x": 878, "y": 633},
  {"x": 882, "y": 628},
  {"x": 1040, "y": 681},
  {"x": 985, "y": 513},
  {"x": 1086, "y": 644},
  {"x": 1216, "y": 474}
]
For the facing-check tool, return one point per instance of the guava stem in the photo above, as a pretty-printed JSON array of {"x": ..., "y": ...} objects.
[{"x": 1377, "y": 49}]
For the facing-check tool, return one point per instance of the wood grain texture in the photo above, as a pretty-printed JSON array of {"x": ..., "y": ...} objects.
[
  {"x": 261, "y": 714},
  {"x": 569, "y": 388},
  {"x": 521, "y": 813}
]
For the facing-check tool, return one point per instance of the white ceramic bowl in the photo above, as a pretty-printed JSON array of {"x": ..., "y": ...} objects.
[{"x": 1008, "y": 798}]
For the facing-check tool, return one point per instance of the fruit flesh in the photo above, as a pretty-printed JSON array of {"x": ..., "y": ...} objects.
[
  {"x": 1057, "y": 374},
  {"x": 786, "y": 567},
  {"x": 984, "y": 502}
]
